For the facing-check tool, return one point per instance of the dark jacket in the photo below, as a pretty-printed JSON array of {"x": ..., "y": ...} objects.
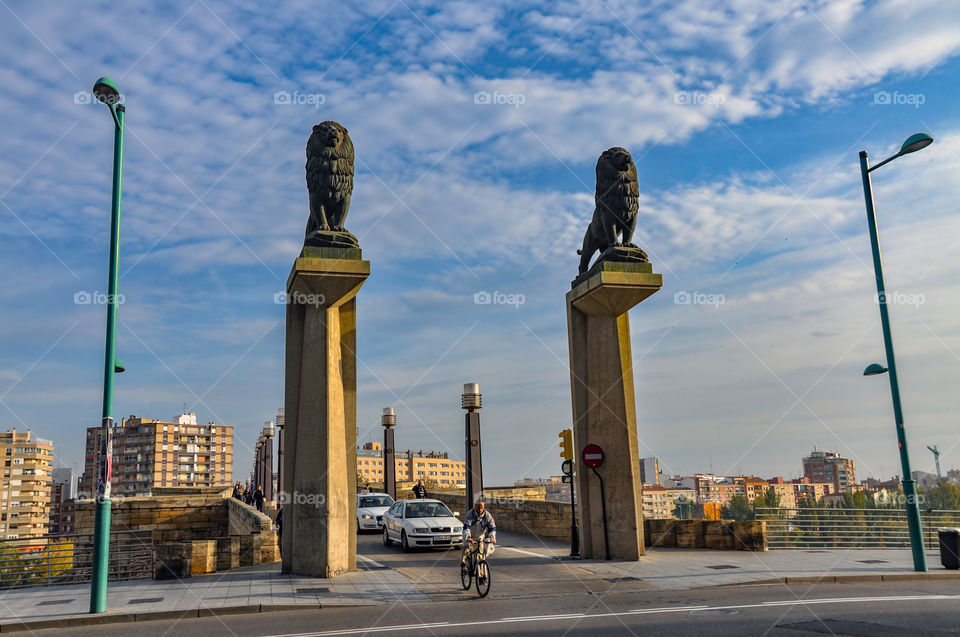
[{"x": 420, "y": 491}]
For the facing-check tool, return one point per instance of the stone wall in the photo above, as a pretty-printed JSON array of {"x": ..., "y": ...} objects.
[
  {"x": 552, "y": 520},
  {"x": 194, "y": 531}
]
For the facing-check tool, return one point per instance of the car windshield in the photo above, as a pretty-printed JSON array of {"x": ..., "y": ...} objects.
[
  {"x": 427, "y": 510},
  {"x": 375, "y": 501}
]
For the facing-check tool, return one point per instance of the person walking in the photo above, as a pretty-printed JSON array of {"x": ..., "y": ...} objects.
[
  {"x": 280, "y": 530},
  {"x": 237, "y": 492},
  {"x": 419, "y": 491},
  {"x": 258, "y": 498}
]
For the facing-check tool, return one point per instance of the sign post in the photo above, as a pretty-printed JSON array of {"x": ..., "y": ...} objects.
[
  {"x": 593, "y": 457},
  {"x": 567, "y": 469}
]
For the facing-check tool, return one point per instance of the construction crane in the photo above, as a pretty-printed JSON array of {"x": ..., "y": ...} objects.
[{"x": 936, "y": 458}]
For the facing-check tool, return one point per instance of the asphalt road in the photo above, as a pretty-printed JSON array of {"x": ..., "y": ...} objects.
[{"x": 537, "y": 596}]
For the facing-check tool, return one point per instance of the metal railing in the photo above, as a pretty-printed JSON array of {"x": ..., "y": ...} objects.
[
  {"x": 837, "y": 528},
  {"x": 68, "y": 559}
]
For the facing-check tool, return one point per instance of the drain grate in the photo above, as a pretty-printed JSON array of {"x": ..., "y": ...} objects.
[
  {"x": 873, "y": 561},
  {"x": 627, "y": 578},
  {"x": 52, "y": 602},
  {"x": 146, "y": 600},
  {"x": 721, "y": 567},
  {"x": 311, "y": 591}
]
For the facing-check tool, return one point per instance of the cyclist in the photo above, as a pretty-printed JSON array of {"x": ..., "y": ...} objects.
[{"x": 478, "y": 525}]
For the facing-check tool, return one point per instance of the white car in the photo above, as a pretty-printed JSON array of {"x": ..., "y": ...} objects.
[
  {"x": 370, "y": 510},
  {"x": 422, "y": 523}
]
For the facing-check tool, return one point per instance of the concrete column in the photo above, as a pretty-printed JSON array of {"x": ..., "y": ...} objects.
[
  {"x": 320, "y": 409},
  {"x": 604, "y": 410},
  {"x": 280, "y": 426},
  {"x": 268, "y": 462}
]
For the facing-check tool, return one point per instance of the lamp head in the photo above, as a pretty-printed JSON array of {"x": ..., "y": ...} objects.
[
  {"x": 106, "y": 91},
  {"x": 873, "y": 369},
  {"x": 915, "y": 142}
]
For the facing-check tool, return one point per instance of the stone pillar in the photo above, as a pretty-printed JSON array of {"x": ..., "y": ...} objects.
[
  {"x": 320, "y": 410},
  {"x": 604, "y": 411}
]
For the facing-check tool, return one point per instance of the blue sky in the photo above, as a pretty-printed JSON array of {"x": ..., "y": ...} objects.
[{"x": 745, "y": 119}]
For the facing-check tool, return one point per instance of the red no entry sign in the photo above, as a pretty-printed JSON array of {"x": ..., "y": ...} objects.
[{"x": 592, "y": 456}]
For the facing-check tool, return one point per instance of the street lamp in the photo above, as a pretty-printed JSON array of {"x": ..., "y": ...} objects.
[
  {"x": 472, "y": 401},
  {"x": 389, "y": 420},
  {"x": 107, "y": 92},
  {"x": 910, "y": 145}
]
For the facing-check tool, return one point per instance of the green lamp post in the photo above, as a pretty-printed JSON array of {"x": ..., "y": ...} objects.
[
  {"x": 911, "y": 145},
  {"x": 106, "y": 92}
]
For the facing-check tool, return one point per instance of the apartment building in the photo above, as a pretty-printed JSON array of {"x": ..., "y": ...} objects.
[
  {"x": 149, "y": 453},
  {"x": 826, "y": 466},
  {"x": 25, "y": 487},
  {"x": 659, "y": 503},
  {"x": 432, "y": 466}
]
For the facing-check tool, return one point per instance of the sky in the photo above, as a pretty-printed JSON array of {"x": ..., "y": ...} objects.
[{"x": 477, "y": 127}]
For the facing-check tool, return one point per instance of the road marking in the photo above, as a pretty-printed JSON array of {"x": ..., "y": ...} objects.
[
  {"x": 638, "y": 611},
  {"x": 370, "y": 562},
  {"x": 531, "y": 553}
]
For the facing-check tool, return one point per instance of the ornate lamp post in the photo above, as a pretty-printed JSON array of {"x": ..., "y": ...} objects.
[
  {"x": 472, "y": 401},
  {"x": 912, "y": 144},
  {"x": 107, "y": 92}
]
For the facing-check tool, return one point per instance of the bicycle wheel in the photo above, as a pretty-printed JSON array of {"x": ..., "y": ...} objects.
[
  {"x": 466, "y": 575},
  {"x": 483, "y": 578}
]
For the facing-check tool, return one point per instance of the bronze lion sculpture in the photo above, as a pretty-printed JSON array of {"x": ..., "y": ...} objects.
[
  {"x": 616, "y": 203},
  {"x": 329, "y": 177}
]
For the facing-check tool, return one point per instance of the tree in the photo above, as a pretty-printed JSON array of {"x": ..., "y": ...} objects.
[
  {"x": 738, "y": 509},
  {"x": 944, "y": 497},
  {"x": 770, "y": 500}
]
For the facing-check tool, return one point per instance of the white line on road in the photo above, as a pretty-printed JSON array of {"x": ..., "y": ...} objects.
[
  {"x": 638, "y": 611},
  {"x": 510, "y": 548}
]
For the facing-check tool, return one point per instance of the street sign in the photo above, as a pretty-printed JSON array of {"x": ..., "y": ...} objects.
[
  {"x": 567, "y": 467},
  {"x": 592, "y": 456},
  {"x": 566, "y": 479}
]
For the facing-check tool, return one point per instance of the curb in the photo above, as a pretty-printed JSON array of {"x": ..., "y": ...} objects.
[
  {"x": 129, "y": 618},
  {"x": 852, "y": 579}
]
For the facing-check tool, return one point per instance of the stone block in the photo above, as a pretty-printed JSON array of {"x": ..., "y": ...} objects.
[
  {"x": 250, "y": 550},
  {"x": 172, "y": 560},
  {"x": 203, "y": 557},
  {"x": 228, "y": 553},
  {"x": 750, "y": 535}
]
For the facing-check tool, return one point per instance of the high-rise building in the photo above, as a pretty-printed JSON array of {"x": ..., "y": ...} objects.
[
  {"x": 150, "y": 453},
  {"x": 826, "y": 466},
  {"x": 25, "y": 488},
  {"x": 430, "y": 466},
  {"x": 649, "y": 471},
  {"x": 61, "y": 492}
]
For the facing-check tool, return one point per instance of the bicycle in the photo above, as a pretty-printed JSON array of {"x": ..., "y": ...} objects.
[{"x": 476, "y": 567}]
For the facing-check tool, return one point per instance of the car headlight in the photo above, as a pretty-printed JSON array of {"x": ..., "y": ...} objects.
[
  {"x": 458, "y": 529},
  {"x": 367, "y": 516}
]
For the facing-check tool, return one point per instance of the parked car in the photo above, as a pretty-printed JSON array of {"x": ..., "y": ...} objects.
[
  {"x": 370, "y": 510},
  {"x": 422, "y": 523}
]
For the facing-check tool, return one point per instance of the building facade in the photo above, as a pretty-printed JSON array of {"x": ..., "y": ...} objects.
[
  {"x": 150, "y": 453},
  {"x": 25, "y": 488},
  {"x": 660, "y": 503},
  {"x": 649, "y": 471},
  {"x": 61, "y": 492},
  {"x": 429, "y": 466},
  {"x": 826, "y": 466}
]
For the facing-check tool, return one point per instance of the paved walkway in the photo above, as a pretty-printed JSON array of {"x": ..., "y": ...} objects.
[{"x": 264, "y": 588}]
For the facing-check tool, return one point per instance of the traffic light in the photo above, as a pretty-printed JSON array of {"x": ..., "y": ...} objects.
[{"x": 566, "y": 444}]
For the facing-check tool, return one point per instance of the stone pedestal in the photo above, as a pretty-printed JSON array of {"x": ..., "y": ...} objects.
[
  {"x": 320, "y": 408},
  {"x": 604, "y": 411}
]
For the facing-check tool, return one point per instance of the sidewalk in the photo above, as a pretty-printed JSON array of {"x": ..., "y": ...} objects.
[{"x": 519, "y": 558}]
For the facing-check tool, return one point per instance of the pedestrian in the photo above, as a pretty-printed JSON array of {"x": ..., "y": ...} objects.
[
  {"x": 419, "y": 491},
  {"x": 237, "y": 492},
  {"x": 280, "y": 530},
  {"x": 247, "y": 496},
  {"x": 258, "y": 498}
]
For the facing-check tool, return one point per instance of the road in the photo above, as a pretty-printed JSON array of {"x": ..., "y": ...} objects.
[{"x": 536, "y": 596}]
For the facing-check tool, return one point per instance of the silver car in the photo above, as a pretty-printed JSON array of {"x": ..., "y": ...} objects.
[
  {"x": 370, "y": 510},
  {"x": 422, "y": 524}
]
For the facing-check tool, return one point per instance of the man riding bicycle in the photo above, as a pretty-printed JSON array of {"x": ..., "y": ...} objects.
[{"x": 477, "y": 526}]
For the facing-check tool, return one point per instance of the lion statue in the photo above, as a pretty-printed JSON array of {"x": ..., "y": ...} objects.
[
  {"x": 616, "y": 203},
  {"x": 329, "y": 177}
]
